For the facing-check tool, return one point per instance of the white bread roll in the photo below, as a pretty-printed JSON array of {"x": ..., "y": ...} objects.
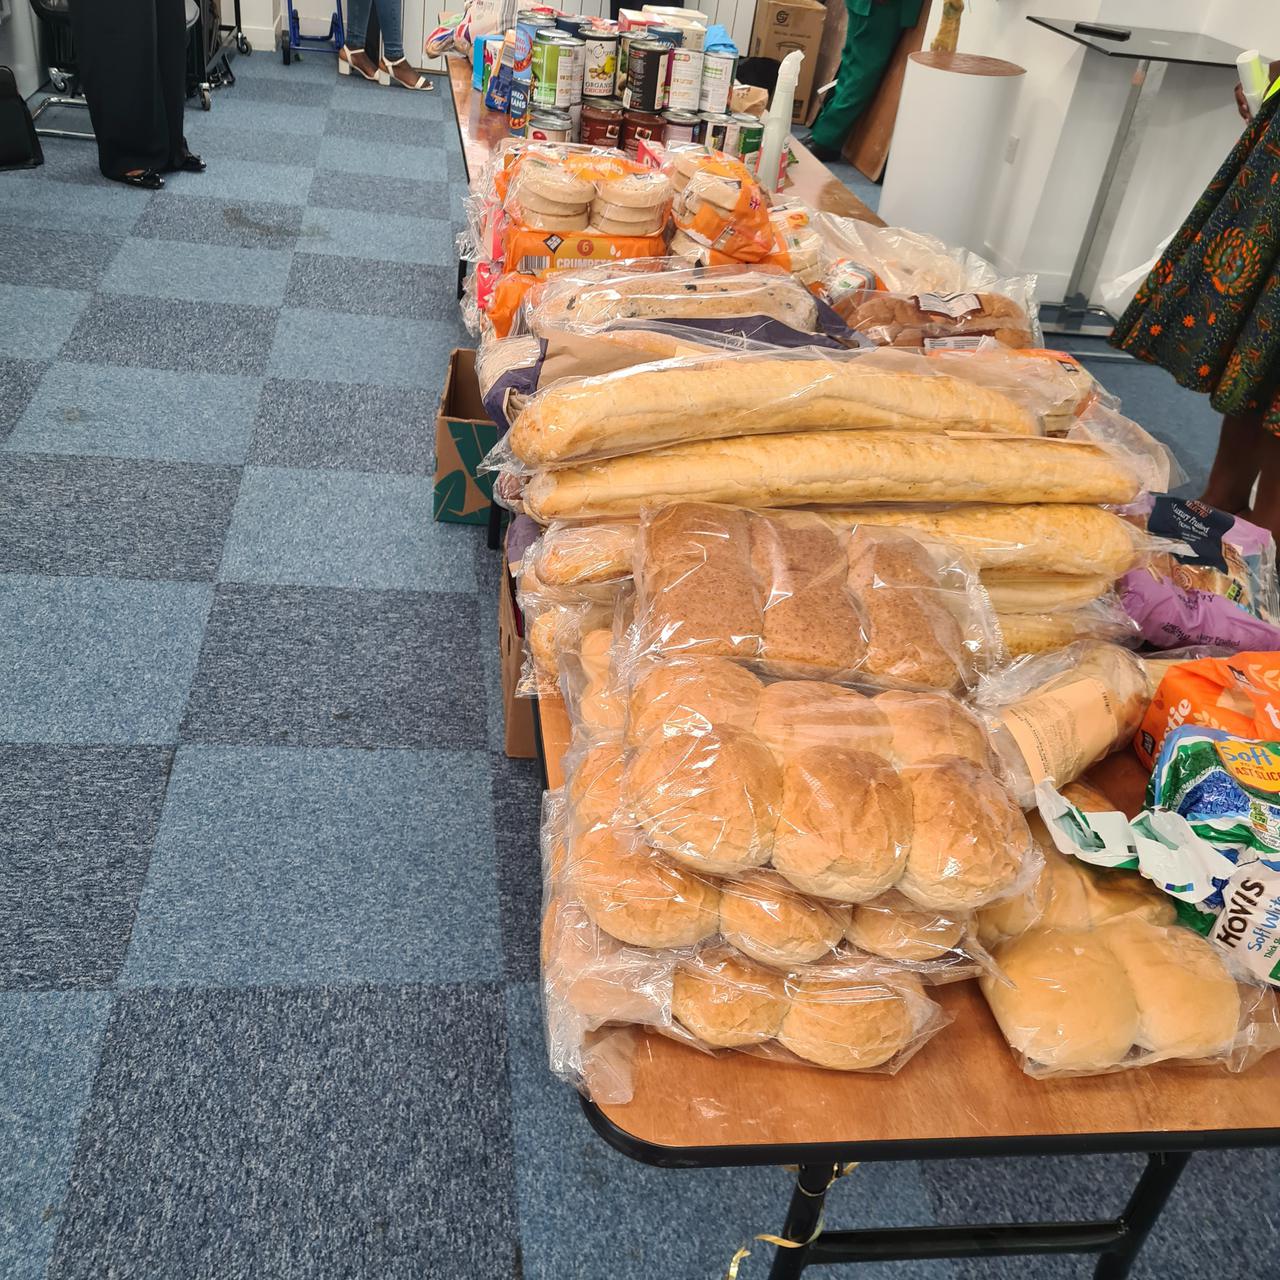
[
  {"x": 1071, "y": 1006},
  {"x": 833, "y": 469},
  {"x": 647, "y": 406},
  {"x": 923, "y": 725},
  {"x": 571, "y": 555},
  {"x": 692, "y": 695},
  {"x": 796, "y": 715},
  {"x": 726, "y": 1000},
  {"x": 892, "y": 928},
  {"x": 847, "y": 1023},
  {"x": 768, "y": 920}
]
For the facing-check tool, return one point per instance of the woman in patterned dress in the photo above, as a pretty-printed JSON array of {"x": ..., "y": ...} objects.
[{"x": 1209, "y": 313}]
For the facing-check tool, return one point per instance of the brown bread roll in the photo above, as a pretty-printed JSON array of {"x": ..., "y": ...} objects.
[
  {"x": 1070, "y": 1006},
  {"x": 968, "y": 839},
  {"x": 879, "y": 558},
  {"x": 849, "y": 1024},
  {"x": 709, "y": 800},
  {"x": 766, "y": 919},
  {"x": 692, "y": 695},
  {"x": 923, "y": 725},
  {"x": 815, "y": 630},
  {"x": 892, "y": 928},
  {"x": 637, "y": 896},
  {"x": 1188, "y": 1004},
  {"x": 726, "y": 1001},
  {"x": 795, "y": 715},
  {"x": 913, "y": 640},
  {"x": 845, "y": 825}
]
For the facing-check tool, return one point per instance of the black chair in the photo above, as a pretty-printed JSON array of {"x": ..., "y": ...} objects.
[{"x": 55, "y": 18}]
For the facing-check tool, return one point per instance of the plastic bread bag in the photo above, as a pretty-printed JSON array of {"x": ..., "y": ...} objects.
[
  {"x": 555, "y": 619},
  {"x": 1126, "y": 994},
  {"x": 746, "y": 394},
  {"x": 1106, "y": 619},
  {"x": 839, "y": 469},
  {"x": 1019, "y": 592},
  {"x": 939, "y": 946},
  {"x": 1054, "y": 715},
  {"x": 844, "y": 1014},
  {"x": 589, "y": 679},
  {"x": 883, "y": 606},
  {"x": 1003, "y": 311},
  {"x": 576, "y": 554},
  {"x": 1151, "y": 460},
  {"x": 719, "y": 205}
]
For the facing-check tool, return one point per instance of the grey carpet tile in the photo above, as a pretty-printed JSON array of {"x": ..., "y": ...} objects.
[
  {"x": 78, "y": 825},
  {"x": 209, "y": 337},
  {"x": 359, "y": 1132},
  {"x": 300, "y": 666},
  {"x": 62, "y": 259},
  {"x": 352, "y": 426},
  {"x": 293, "y": 92},
  {"x": 375, "y": 128},
  {"x": 517, "y": 801},
  {"x": 369, "y": 286},
  {"x": 235, "y": 224},
  {"x": 257, "y": 147},
  {"x": 112, "y": 517},
  {"x": 331, "y": 189},
  {"x": 18, "y": 382}
]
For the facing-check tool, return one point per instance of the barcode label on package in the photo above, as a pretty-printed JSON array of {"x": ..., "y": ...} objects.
[{"x": 969, "y": 342}]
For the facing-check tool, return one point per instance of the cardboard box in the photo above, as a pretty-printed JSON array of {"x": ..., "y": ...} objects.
[
  {"x": 517, "y": 713},
  {"x": 782, "y": 26},
  {"x": 464, "y": 435}
]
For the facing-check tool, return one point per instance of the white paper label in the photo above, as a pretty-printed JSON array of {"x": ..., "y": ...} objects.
[{"x": 954, "y": 305}]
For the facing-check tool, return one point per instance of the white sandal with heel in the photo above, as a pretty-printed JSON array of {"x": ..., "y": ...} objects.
[
  {"x": 346, "y": 67},
  {"x": 422, "y": 83}
]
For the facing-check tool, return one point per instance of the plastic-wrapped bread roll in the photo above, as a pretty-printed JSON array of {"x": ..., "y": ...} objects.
[
  {"x": 637, "y": 896},
  {"x": 1027, "y": 634},
  {"x": 766, "y": 919},
  {"x": 692, "y": 695},
  {"x": 845, "y": 824},
  {"x": 726, "y": 1001},
  {"x": 1188, "y": 1004},
  {"x": 570, "y": 555},
  {"x": 836, "y": 469},
  {"x": 849, "y": 1023},
  {"x": 893, "y": 928},
  {"x": 718, "y": 396},
  {"x": 796, "y": 715},
  {"x": 1066, "y": 538},
  {"x": 594, "y": 787},
  {"x": 709, "y": 800},
  {"x": 969, "y": 841},
  {"x": 1047, "y": 593},
  {"x": 1070, "y": 1006},
  {"x": 922, "y": 725}
]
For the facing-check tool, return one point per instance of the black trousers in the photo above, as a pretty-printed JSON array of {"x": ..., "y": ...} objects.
[{"x": 132, "y": 60}]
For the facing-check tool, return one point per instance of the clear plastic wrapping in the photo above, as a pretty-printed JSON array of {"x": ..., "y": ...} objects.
[
  {"x": 718, "y": 206},
  {"x": 883, "y": 606},
  {"x": 1106, "y": 618},
  {"x": 570, "y": 554},
  {"x": 1004, "y": 311},
  {"x": 1053, "y": 715},
  {"x": 555, "y": 620}
]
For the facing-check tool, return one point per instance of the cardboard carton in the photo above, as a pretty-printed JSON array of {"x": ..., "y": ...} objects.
[
  {"x": 517, "y": 713},
  {"x": 782, "y": 26},
  {"x": 464, "y": 435}
]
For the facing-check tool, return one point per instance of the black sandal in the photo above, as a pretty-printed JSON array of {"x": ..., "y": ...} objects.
[
  {"x": 191, "y": 163},
  {"x": 147, "y": 179}
]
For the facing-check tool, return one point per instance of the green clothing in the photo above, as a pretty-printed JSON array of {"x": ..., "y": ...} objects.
[{"x": 869, "y": 42}]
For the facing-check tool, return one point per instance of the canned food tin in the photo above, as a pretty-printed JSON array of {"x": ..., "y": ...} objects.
[
  {"x": 546, "y": 70},
  {"x": 640, "y": 126},
  {"x": 681, "y": 126},
  {"x": 715, "y": 126},
  {"x": 717, "y": 81},
  {"x": 532, "y": 18},
  {"x": 601, "y": 72},
  {"x": 549, "y": 125},
  {"x": 627, "y": 39},
  {"x": 518, "y": 109},
  {"x": 684, "y": 85},
  {"x": 570, "y": 24},
  {"x": 573, "y": 62},
  {"x": 750, "y": 137},
  {"x": 646, "y": 76},
  {"x": 602, "y": 122}
]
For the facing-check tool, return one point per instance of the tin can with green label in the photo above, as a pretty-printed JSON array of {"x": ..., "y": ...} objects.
[{"x": 547, "y": 52}]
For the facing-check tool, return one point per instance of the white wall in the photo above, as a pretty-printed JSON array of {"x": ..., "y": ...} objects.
[{"x": 1066, "y": 118}]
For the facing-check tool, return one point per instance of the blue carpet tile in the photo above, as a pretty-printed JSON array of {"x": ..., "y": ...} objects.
[{"x": 269, "y": 888}]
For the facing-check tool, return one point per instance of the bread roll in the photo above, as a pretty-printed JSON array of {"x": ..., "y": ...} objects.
[
  {"x": 1188, "y": 1004},
  {"x": 571, "y": 555},
  {"x": 595, "y": 786},
  {"x": 923, "y": 725},
  {"x": 594, "y": 653},
  {"x": 912, "y": 639},
  {"x": 892, "y": 928},
  {"x": 796, "y": 715},
  {"x": 833, "y": 469},
  {"x": 1071, "y": 1007},
  {"x": 696, "y": 581},
  {"x": 1045, "y": 593},
  {"x": 1067, "y": 538},
  {"x": 880, "y": 558},
  {"x": 693, "y": 695},
  {"x": 766, "y": 919},
  {"x": 639, "y": 897},
  {"x": 968, "y": 840},
  {"x": 848, "y": 1024},
  {"x": 726, "y": 1001},
  {"x": 1030, "y": 633},
  {"x": 845, "y": 825},
  {"x": 602, "y": 711},
  {"x": 710, "y": 800}
]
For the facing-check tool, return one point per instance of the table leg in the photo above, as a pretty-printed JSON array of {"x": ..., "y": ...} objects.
[
  {"x": 804, "y": 1216},
  {"x": 1161, "y": 1175}
]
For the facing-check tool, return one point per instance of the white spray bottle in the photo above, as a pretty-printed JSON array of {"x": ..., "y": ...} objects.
[
  {"x": 777, "y": 123},
  {"x": 1255, "y": 78}
]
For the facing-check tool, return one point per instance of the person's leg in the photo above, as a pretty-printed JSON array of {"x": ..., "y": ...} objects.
[
  {"x": 869, "y": 43},
  {"x": 1266, "y": 506},
  {"x": 391, "y": 20},
  {"x": 171, "y": 68},
  {"x": 1237, "y": 463},
  {"x": 352, "y": 55},
  {"x": 115, "y": 49}
]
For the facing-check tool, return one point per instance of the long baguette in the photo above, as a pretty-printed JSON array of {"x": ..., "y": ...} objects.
[
  {"x": 648, "y": 406},
  {"x": 836, "y": 468}
]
